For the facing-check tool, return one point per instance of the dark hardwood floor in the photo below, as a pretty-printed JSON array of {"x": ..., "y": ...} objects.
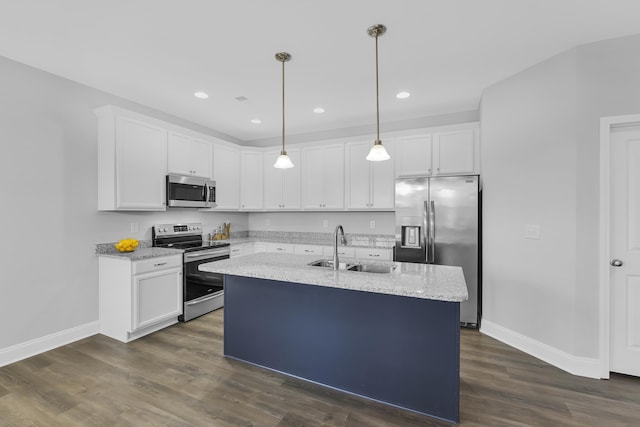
[{"x": 178, "y": 377}]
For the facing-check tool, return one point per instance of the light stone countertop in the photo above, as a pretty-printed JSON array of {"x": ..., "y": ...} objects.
[
  {"x": 426, "y": 281},
  {"x": 141, "y": 253}
]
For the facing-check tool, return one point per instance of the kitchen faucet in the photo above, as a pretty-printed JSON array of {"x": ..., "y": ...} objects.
[{"x": 336, "y": 262}]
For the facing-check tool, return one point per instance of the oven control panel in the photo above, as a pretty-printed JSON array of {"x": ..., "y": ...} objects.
[{"x": 165, "y": 230}]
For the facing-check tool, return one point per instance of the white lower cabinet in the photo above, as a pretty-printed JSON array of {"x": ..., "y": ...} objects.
[
  {"x": 281, "y": 248},
  {"x": 242, "y": 249},
  {"x": 374, "y": 253},
  {"x": 308, "y": 250},
  {"x": 343, "y": 251},
  {"x": 139, "y": 297}
]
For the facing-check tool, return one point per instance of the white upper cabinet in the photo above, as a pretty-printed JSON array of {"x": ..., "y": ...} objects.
[
  {"x": 323, "y": 177},
  {"x": 251, "y": 177},
  {"x": 226, "y": 173},
  {"x": 447, "y": 152},
  {"x": 455, "y": 152},
  {"x": 370, "y": 185},
  {"x": 189, "y": 156},
  {"x": 132, "y": 162},
  {"x": 413, "y": 155},
  {"x": 281, "y": 186}
]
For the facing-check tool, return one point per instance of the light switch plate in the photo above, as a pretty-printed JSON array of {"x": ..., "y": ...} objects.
[
  {"x": 532, "y": 231},
  {"x": 325, "y": 223},
  {"x": 372, "y": 224},
  {"x": 134, "y": 227}
]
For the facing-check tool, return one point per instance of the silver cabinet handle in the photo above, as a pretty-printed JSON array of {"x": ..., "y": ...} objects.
[
  {"x": 374, "y": 255},
  {"x": 616, "y": 263},
  {"x": 159, "y": 264}
]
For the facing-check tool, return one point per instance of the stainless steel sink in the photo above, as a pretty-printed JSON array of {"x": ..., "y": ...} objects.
[
  {"x": 365, "y": 268},
  {"x": 373, "y": 268},
  {"x": 327, "y": 263}
]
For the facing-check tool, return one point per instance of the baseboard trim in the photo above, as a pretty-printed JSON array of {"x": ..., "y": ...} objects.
[
  {"x": 576, "y": 365},
  {"x": 49, "y": 342}
]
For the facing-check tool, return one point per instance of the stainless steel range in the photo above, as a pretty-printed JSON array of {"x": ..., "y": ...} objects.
[{"x": 203, "y": 292}]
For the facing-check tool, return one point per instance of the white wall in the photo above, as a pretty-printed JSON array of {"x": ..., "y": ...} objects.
[
  {"x": 529, "y": 177},
  {"x": 49, "y": 218},
  {"x": 540, "y": 142}
]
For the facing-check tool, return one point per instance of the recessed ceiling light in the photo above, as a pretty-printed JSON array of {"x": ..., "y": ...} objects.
[
  {"x": 201, "y": 95},
  {"x": 256, "y": 121},
  {"x": 318, "y": 110},
  {"x": 403, "y": 95}
]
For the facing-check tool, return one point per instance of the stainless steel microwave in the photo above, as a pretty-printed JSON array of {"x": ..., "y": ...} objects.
[{"x": 187, "y": 191}]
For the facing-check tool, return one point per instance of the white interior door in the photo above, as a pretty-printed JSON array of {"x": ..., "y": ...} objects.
[{"x": 625, "y": 250}]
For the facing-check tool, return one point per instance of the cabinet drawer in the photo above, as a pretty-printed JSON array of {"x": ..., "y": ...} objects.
[
  {"x": 344, "y": 251},
  {"x": 242, "y": 249},
  {"x": 281, "y": 248},
  {"x": 374, "y": 253},
  {"x": 159, "y": 263},
  {"x": 308, "y": 250}
]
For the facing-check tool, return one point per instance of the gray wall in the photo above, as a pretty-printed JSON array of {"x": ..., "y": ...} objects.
[
  {"x": 540, "y": 145},
  {"x": 50, "y": 222},
  {"x": 48, "y": 182},
  {"x": 529, "y": 177}
]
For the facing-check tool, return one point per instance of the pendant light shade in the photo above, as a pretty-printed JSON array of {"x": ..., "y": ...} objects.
[
  {"x": 283, "y": 161},
  {"x": 377, "y": 153}
]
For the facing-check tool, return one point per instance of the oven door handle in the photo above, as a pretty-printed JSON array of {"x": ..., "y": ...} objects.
[
  {"x": 217, "y": 254},
  {"x": 199, "y": 300}
]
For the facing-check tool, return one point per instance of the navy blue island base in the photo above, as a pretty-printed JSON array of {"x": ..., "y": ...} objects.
[{"x": 398, "y": 350}]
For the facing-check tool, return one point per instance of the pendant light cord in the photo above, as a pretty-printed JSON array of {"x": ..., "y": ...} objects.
[
  {"x": 377, "y": 97},
  {"x": 283, "y": 107}
]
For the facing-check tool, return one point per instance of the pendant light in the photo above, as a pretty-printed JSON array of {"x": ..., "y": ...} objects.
[
  {"x": 283, "y": 161},
  {"x": 377, "y": 153}
]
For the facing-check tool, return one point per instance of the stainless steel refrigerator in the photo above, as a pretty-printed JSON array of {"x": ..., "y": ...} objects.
[{"x": 438, "y": 222}]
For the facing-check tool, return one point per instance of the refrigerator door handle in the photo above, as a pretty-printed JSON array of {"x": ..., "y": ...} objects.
[
  {"x": 432, "y": 232},
  {"x": 425, "y": 233}
]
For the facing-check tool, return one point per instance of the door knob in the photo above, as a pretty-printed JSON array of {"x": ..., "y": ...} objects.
[{"x": 616, "y": 263}]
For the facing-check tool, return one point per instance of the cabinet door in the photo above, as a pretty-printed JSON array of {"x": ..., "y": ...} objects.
[
  {"x": 141, "y": 152},
  {"x": 358, "y": 175},
  {"x": 272, "y": 181},
  {"x": 454, "y": 152},
  {"x": 281, "y": 248},
  {"x": 188, "y": 156},
  {"x": 307, "y": 250},
  {"x": 313, "y": 171},
  {"x": 334, "y": 177},
  {"x": 413, "y": 155},
  {"x": 201, "y": 158},
  {"x": 226, "y": 173},
  {"x": 251, "y": 192},
  {"x": 291, "y": 185},
  {"x": 374, "y": 253},
  {"x": 179, "y": 158},
  {"x": 157, "y": 296},
  {"x": 383, "y": 181}
]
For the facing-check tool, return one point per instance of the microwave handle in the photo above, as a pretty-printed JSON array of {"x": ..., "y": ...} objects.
[{"x": 205, "y": 192}]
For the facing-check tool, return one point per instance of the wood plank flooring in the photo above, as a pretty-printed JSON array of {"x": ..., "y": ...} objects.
[{"x": 178, "y": 377}]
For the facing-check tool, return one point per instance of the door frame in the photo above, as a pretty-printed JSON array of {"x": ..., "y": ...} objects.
[{"x": 606, "y": 126}]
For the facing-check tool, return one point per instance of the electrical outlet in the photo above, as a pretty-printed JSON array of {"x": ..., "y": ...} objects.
[
  {"x": 532, "y": 231},
  {"x": 267, "y": 222},
  {"x": 325, "y": 223},
  {"x": 134, "y": 227},
  {"x": 372, "y": 224}
]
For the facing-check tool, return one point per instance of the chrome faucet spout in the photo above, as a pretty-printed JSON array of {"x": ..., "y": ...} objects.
[{"x": 343, "y": 240}]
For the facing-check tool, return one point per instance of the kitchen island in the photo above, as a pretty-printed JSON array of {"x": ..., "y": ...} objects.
[{"x": 392, "y": 337}]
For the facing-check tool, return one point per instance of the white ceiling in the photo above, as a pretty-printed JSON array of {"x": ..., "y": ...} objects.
[{"x": 159, "y": 52}]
